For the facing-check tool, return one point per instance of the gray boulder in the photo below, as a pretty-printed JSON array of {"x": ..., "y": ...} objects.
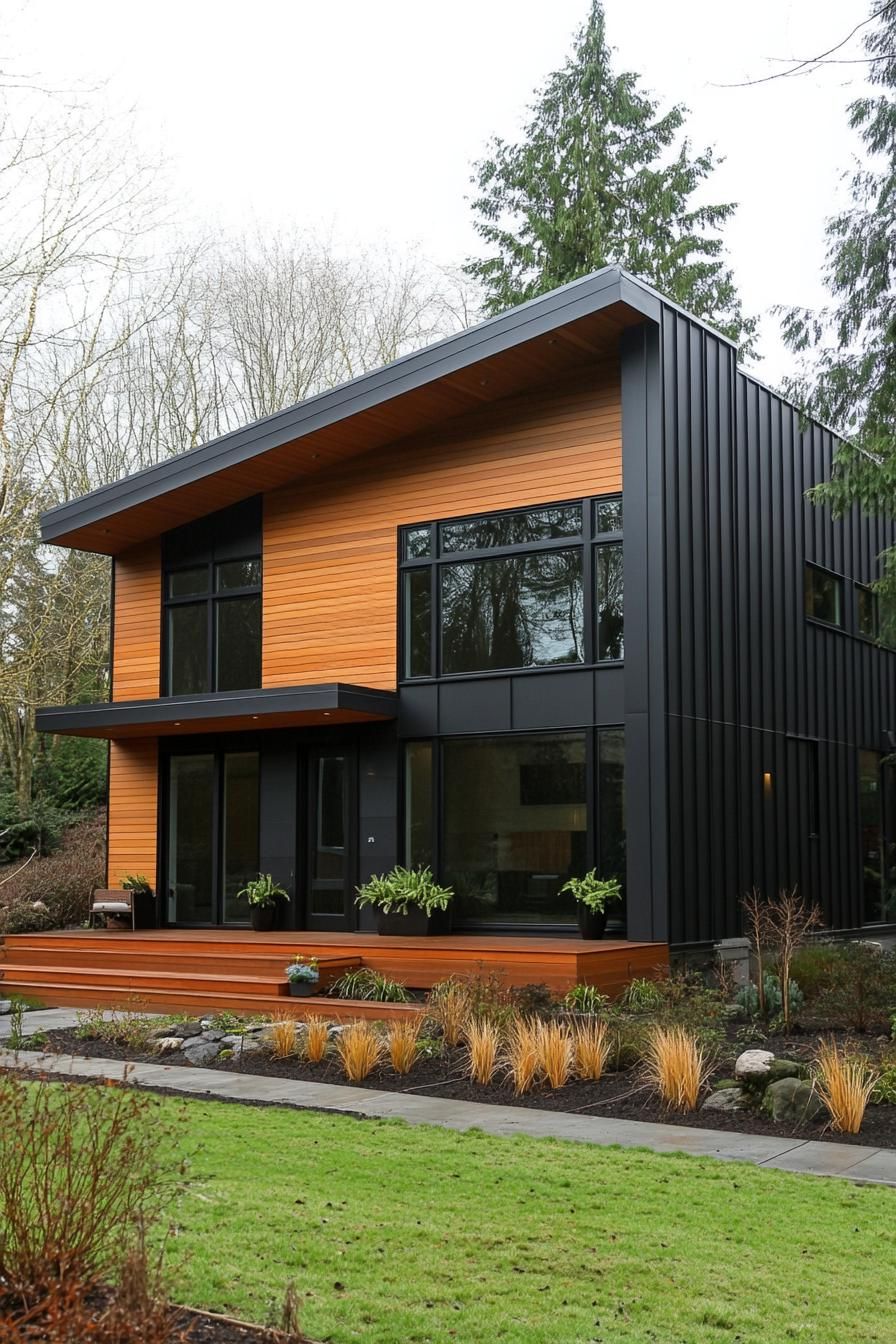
[
  {"x": 201, "y": 1052},
  {"x": 185, "y": 1030},
  {"x": 212, "y": 1035},
  {"x": 793, "y": 1101},
  {"x": 248, "y": 1046},
  {"x": 727, "y": 1099},
  {"x": 786, "y": 1068},
  {"x": 5, "y": 1007},
  {"x": 753, "y": 1066}
]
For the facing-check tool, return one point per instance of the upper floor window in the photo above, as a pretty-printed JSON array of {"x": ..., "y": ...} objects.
[
  {"x": 536, "y": 587},
  {"x": 823, "y": 595},
  {"x": 212, "y": 601},
  {"x": 867, "y": 623}
]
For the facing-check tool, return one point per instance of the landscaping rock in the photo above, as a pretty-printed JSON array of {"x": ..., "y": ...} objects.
[
  {"x": 754, "y": 1066},
  {"x": 793, "y": 1101},
  {"x": 202, "y": 1052},
  {"x": 166, "y": 1045},
  {"x": 249, "y": 1046},
  {"x": 786, "y": 1068},
  {"x": 5, "y": 1007},
  {"x": 231, "y": 1042},
  {"x": 186, "y": 1029},
  {"x": 212, "y": 1035},
  {"x": 726, "y": 1099}
]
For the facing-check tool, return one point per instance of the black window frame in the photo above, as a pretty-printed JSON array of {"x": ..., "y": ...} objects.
[
  {"x": 810, "y": 566},
  {"x": 589, "y": 541},
  {"x": 865, "y": 588},
  {"x": 210, "y": 598}
]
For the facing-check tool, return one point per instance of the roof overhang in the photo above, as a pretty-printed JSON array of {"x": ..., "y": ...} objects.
[
  {"x": 535, "y": 342},
  {"x": 225, "y": 711}
]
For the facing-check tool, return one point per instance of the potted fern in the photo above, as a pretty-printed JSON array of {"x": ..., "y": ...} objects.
[
  {"x": 407, "y": 901},
  {"x": 264, "y": 896},
  {"x": 592, "y": 895}
]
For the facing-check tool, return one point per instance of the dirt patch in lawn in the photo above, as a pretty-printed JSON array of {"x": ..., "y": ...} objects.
[{"x": 621, "y": 1096}]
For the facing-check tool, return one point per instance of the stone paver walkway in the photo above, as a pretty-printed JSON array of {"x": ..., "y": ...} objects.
[{"x": 854, "y": 1162}]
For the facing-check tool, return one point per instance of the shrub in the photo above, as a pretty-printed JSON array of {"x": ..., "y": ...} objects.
[
  {"x": 62, "y": 881},
  {"x": 483, "y": 1046},
  {"x": 812, "y": 967},
  {"x": 82, "y": 1172},
  {"x": 628, "y": 1040},
  {"x": 316, "y": 1039},
  {"x": 750, "y": 1000},
  {"x": 585, "y": 999},
  {"x": 641, "y": 996},
  {"x": 522, "y": 1054},
  {"x": 283, "y": 1036},
  {"x": 132, "y": 1030},
  {"x": 861, "y": 987},
  {"x": 677, "y": 1066},
  {"x": 370, "y": 985},
  {"x": 359, "y": 1049},
  {"x": 844, "y": 1083},
  {"x": 402, "y": 1040},
  {"x": 555, "y": 1052},
  {"x": 591, "y": 1049},
  {"x": 884, "y": 1093},
  {"x": 533, "y": 1000}
]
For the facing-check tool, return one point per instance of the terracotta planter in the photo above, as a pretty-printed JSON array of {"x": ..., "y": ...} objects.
[{"x": 592, "y": 923}]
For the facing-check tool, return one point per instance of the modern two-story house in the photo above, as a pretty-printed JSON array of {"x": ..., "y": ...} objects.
[{"x": 545, "y": 596}]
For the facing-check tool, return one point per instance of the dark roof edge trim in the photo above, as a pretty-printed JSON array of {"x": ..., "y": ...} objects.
[
  {"x": 220, "y": 705},
  {"x": 537, "y": 317}
]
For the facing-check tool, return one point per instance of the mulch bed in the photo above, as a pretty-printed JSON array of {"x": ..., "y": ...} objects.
[{"x": 621, "y": 1096}]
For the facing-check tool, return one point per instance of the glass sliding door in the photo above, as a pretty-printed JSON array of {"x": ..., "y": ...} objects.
[
  {"x": 191, "y": 839},
  {"x": 330, "y": 776},
  {"x": 212, "y": 835},
  {"x": 515, "y": 826}
]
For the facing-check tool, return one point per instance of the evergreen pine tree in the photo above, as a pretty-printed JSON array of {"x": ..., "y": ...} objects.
[
  {"x": 849, "y": 373},
  {"x": 601, "y": 176}
]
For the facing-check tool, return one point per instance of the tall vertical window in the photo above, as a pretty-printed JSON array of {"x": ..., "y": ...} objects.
[
  {"x": 823, "y": 595},
  {"x": 212, "y": 599},
  {"x": 508, "y": 591}
]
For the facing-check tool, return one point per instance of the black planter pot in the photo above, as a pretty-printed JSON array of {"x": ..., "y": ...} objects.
[
  {"x": 303, "y": 989},
  {"x": 415, "y": 924},
  {"x": 592, "y": 923},
  {"x": 262, "y": 917}
]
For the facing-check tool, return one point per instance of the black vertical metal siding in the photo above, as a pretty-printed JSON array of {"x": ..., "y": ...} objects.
[{"x": 754, "y": 688}]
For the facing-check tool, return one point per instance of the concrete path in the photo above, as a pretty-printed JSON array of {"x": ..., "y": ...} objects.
[{"x": 875, "y": 1166}]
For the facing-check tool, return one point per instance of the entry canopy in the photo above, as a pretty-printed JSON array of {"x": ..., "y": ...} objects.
[{"x": 224, "y": 711}]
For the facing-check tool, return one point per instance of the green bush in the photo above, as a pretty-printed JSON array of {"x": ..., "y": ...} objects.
[
  {"x": 369, "y": 985},
  {"x": 533, "y": 1000},
  {"x": 860, "y": 987}
]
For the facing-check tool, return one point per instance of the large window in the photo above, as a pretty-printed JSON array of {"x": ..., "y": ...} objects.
[
  {"x": 877, "y": 816},
  {"x": 213, "y": 605},
  {"x": 823, "y": 595},
  {"x": 213, "y": 835},
  {"x": 535, "y": 587},
  {"x": 518, "y": 818}
]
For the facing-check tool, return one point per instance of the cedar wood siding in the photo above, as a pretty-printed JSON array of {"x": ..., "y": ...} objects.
[
  {"x": 330, "y": 545},
  {"x": 133, "y": 809},
  {"x": 330, "y": 559}
]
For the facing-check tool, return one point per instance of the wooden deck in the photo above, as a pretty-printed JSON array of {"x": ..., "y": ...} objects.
[{"x": 200, "y": 969}]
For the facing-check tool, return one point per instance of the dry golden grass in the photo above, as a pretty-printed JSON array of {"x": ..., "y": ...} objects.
[
  {"x": 844, "y": 1083},
  {"x": 359, "y": 1049},
  {"x": 591, "y": 1049},
  {"x": 402, "y": 1037},
  {"x": 483, "y": 1048},
  {"x": 676, "y": 1066},
  {"x": 522, "y": 1054},
  {"x": 555, "y": 1052},
  {"x": 449, "y": 1007},
  {"x": 317, "y": 1038},
  {"x": 283, "y": 1037}
]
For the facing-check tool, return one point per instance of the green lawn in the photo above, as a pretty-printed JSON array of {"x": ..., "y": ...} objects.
[{"x": 399, "y": 1235}]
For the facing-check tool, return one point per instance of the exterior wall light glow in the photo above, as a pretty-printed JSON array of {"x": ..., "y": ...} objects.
[{"x": 767, "y": 783}]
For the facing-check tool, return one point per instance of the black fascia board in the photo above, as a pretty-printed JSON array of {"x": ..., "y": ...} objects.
[
  {"x": 537, "y": 317},
  {"x": 110, "y": 715}
]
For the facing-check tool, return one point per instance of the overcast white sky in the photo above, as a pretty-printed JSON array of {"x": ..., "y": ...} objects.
[{"x": 364, "y": 117}]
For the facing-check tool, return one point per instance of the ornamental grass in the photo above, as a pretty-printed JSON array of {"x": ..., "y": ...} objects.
[
  {"x": 522, "y": 1054},
  {"x": 402, "y": 1037},
  {"x": 677, "y": 1066},
  {"x": 283, "y": 1037},
  {"x": 591, "y": 1044},
  {"x": 483, "y": 1049},
  {"x": 360, "y": 1050},
  {"x": 555, "y": 1053},
  {"x": 845, "y": 1083},
  {"x": 317, "y": 1038}
]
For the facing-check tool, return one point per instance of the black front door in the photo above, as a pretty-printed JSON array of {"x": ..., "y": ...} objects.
[{"x": 330, "y": 846}]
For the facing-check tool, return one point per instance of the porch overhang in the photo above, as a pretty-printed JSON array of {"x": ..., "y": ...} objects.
[{"x": 224, "y": 711}]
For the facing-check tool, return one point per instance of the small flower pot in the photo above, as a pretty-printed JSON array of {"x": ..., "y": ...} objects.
[
  {"x": 262, "y": 917},
  {"x": 592, "y": 923},
  {"x": 302, "y": 989}
]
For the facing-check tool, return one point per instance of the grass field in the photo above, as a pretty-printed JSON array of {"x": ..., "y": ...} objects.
[{"x": 400, "y": 1235}]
